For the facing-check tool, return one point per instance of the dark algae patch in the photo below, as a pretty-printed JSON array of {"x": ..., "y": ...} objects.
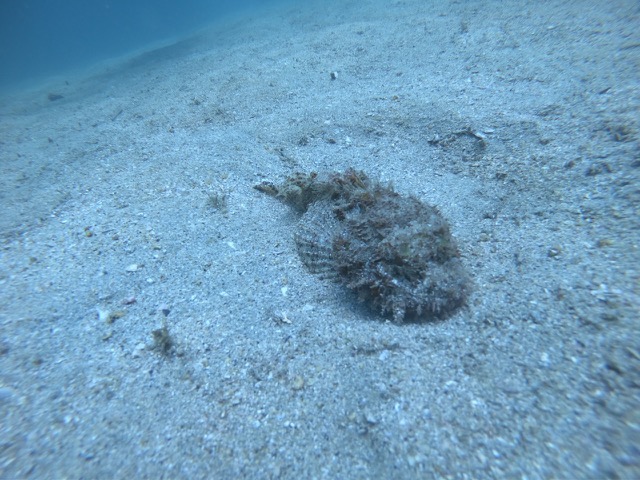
[{"x": 394, "y": 251}]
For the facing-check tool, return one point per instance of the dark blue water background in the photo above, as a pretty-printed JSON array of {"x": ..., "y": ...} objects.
[{"x": 41, "y": 38}]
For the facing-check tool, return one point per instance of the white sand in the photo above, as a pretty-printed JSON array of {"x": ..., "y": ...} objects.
[{"x": 276, "y": 373}]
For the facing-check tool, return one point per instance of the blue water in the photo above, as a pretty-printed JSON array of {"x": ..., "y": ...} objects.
[{"x": 41, "y": 38}]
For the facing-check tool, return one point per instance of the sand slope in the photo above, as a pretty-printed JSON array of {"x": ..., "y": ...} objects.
[{"x": 127, "y": 206}]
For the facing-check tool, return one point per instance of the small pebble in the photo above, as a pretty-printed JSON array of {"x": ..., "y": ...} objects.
[
  {"x": 298, "y": 383},
  {"x": 370, "y": 418},
  {"x": 137, "y": 351},
  {"x": 104, "y": 314}
]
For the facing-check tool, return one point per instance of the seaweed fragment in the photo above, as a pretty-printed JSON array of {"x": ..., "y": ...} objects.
[
  {"x": 163, "y": 341},
  {"x": 394, "y": 251}
]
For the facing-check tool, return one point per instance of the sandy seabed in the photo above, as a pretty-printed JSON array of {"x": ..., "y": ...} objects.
[{"x": 156, "y": 321}]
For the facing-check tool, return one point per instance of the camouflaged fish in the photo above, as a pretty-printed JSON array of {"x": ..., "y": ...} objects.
[{"x": 394, "y": 251}]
